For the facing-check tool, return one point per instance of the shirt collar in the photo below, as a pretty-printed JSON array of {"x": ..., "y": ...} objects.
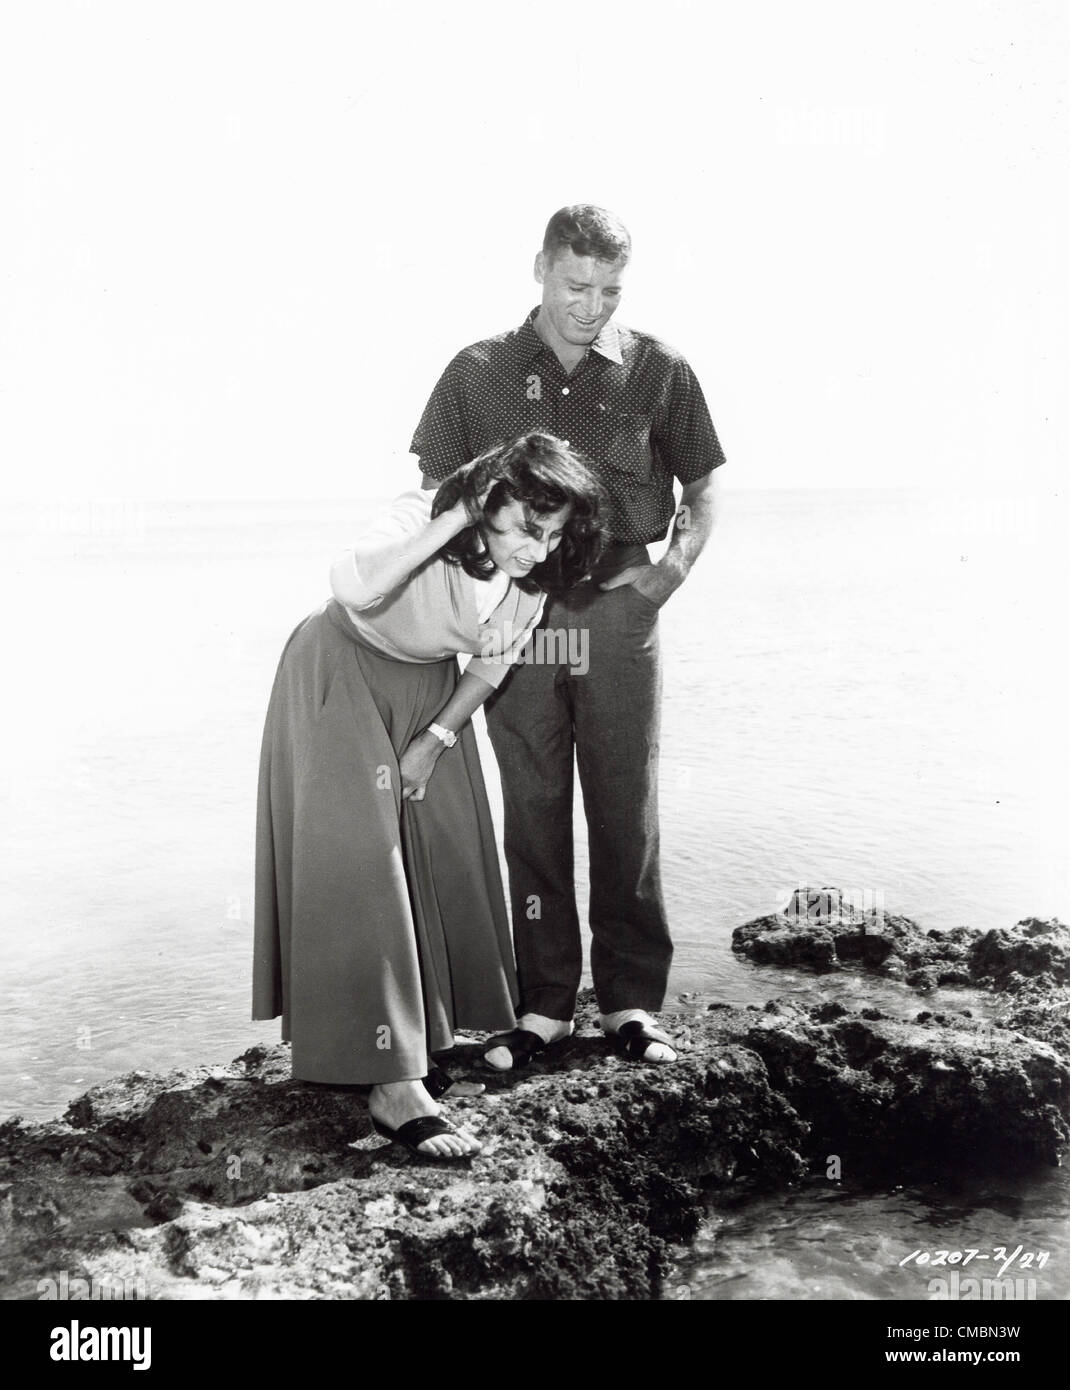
[{"x": 607, "y": 344}]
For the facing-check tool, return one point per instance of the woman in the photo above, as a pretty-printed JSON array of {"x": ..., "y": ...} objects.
[{"x": 380, "y": 917}]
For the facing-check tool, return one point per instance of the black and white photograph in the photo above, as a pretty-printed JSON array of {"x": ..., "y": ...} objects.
[{"x": 534, "y": 551}]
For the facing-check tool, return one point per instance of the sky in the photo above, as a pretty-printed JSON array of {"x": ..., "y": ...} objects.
[{"x": 240, "y": 241}]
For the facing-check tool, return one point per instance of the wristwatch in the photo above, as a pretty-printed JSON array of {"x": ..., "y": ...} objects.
[{"x": 448, "y": 737}]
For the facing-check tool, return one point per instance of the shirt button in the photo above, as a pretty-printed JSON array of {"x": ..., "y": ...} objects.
[
  {"x": 564, "y": 390},
  {"x": 565, "y": 443}
]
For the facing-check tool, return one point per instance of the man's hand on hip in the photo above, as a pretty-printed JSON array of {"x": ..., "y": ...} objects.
[
  {"x": 691, "y": 530},
  {"x": 655, "y": 582}
]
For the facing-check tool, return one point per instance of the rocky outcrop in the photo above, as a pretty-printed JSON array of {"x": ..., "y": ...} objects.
[
  {"x": 237, "y": 1181},
  {"x": 915, "y": 1098},
  {"x": 822, "y": 931}
]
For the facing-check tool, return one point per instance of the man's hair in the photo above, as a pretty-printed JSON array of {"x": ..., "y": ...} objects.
[
  {"x": 587, "y": 230},
  {"x": 544, "y": 474}
]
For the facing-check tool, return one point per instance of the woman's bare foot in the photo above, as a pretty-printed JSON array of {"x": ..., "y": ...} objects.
[{"x": 394, "y": 1103}]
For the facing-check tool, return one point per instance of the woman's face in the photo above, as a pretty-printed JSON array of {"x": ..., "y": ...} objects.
[{"x": 518, "y": 539}]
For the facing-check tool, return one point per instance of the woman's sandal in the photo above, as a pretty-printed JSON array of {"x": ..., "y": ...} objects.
[
  {"x": 413, "y": 1133},
  {"x": 521, "y": 1044},
  {"x": 632, "y": 1040},
  {"x": 439, "y": 1083}
]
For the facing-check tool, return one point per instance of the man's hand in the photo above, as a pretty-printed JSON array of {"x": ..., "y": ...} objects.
[
  {"x": 691, "y": 530},
  {"x": 655, "y": 582},
  {"x": 417, "y": 764}
]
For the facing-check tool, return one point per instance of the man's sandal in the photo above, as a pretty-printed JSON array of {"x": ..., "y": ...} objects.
[
  {"x": 413, "y": 1133},
  {"x": 632, "y": 1040},
  {"x": 521, "y": 1045}
]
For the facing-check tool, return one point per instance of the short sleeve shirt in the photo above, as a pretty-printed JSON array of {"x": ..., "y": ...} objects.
[{"x": 633, "y": 408}]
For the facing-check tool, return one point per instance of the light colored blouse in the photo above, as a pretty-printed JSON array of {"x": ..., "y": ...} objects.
[{"x": 441, "y": 611}]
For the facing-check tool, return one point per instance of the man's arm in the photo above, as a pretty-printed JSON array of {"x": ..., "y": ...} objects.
[{"x": 692, "y": 527}]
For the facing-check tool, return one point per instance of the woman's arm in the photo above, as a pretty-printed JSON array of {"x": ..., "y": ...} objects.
[
  {"x": 418, "y": 760},
  {"x": 379, "y": 565}
]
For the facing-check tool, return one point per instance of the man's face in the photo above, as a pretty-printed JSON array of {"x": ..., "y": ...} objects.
[{"x": 579, "y": 296}]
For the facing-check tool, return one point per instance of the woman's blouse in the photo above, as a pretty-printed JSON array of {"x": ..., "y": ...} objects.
[{"x": 440, "y": 611}]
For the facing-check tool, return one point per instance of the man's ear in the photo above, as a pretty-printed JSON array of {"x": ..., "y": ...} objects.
[{"x": 540, "y": 267}]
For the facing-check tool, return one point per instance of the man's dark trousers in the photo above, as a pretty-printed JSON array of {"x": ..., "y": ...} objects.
[{"x": 610, "y": 714}]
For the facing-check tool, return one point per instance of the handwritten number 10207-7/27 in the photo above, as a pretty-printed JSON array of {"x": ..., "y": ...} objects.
[{"x": 1026, "y": 1258}]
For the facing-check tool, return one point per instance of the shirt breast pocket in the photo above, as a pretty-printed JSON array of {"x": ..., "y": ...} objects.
[{"x": 625, "y": 441}]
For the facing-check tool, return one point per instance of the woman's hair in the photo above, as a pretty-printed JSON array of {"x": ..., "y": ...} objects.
[{"x": 543, "y": 474}]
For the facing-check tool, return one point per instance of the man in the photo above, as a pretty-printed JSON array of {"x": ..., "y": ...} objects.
[{"x": 633, "y": 406}]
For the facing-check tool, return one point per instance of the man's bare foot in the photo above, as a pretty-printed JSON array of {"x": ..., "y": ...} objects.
[{"x": 394, "y": 1103}]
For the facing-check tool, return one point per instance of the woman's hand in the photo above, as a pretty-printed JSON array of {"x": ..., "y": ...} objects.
[
  {"x": 460, "y": 513},
  {"x": 417, "y": 764}
]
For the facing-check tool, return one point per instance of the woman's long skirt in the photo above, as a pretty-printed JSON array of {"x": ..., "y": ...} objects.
[{"x": 380, "y": 923}]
